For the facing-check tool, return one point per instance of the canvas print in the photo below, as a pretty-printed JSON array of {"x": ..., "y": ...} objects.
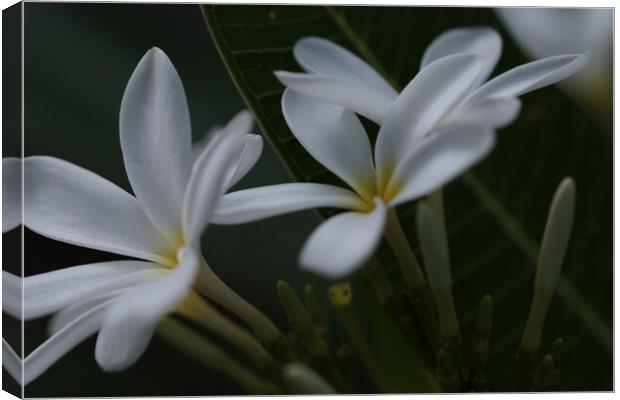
[{"x": 210, "y": 199}]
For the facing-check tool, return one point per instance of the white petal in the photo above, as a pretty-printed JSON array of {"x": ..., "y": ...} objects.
[
  {"x": 68, "y": 203},
  {"x": 344, "y": 242},
  {"x": 130, "y": 320},
  {"x": 263, "y": 202},
  {"x": 156, "y": 139},
  {"x": 345, "y": 93},
  {"x": 434, "y": 91},
  {"x": 441, "y": 157},
  {"x": 209, "y": 179},
  {"x": 12, "y": 286},
  {"x": 484, "y": 42},
  {"x": 327, "y": 58},
  {"x": 492, "y": 113},
  {"x": 544, "y": 32},
  {"x": 67, "y": 315},
  {"x": 530, "y": 76},
  {"x": 11, "y": 362},
  {"x": 252, "y": 149},
  {"x": 61, "y": 343},
  {"x": 11, "y": 193},
  {"x": 249, "y": 153},
  {"x": 334, "y": 136},
  {"x": 52, "y": 291}
]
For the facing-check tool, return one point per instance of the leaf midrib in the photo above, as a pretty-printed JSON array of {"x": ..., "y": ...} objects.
[{"x": 566, "y": 290}]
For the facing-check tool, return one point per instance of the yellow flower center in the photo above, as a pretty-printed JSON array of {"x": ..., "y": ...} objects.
[
  {"x": 170, "y": 255},
  {"x": 385, "y": 187}
]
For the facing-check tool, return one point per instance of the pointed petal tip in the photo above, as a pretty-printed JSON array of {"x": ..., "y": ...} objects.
[
  {"x": 255, "y": 140},
  {"x": 155, "y": 54},
  {"x": 244, "y": 114},
  {"x": 285, "y": 77},
  {"x": 584, "y": 57},
  {"x": 241, "y": 123},
  {"x": 568, "y": 186}
]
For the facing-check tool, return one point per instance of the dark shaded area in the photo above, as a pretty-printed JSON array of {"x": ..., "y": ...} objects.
[{"x": 11, "y": 145}]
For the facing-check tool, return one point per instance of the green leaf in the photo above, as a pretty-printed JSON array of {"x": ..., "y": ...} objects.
[{"x": 495, "y": 212}]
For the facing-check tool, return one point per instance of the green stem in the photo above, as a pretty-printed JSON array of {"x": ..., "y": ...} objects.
[
  {"x": 480, "y": 343},
  {"x": 409, "y": 265},
  {"x": 342, "y": 299},
  {"x": 435, "y": 201},
  {"x": 212, "y": 357},
  {"x": 532, "y": 334},
  {"x": 199, "y": 311},
  {"x": 418, "y": 291}
]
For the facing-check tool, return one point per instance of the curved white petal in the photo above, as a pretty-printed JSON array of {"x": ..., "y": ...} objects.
[
  {"x": 334, "y": 136},
  {"x": 250, "y": 153},
  {"x": 438, "y": 159},
  {"x": 434, "y": 91},
  {"x": 68, "y": 203},
  {"x": 52, "y": 291},
  {"x": 209, "y": 179},
  {"x": 12, "y": 286},
  {"x": 11, "y": 362},
  {"x": 492, "y": 113},
  {"x": 484, "y": 42},
  {"x": 156, "y": 139},
  {"x": 62, "y": 342},
  {"x": 344, "y": 242},
  {"x": 130, "y": 320},
  {"x": 67, "y": 315},
  {"x": 263, "y": 202},
  {"x": 530, "y": 76},
  {"x": 351, "y": 95},
  {"x": 11, "y": 193},
  {"x": 327, "y": 58}
]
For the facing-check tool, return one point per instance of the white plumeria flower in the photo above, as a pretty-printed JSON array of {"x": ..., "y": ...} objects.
[
  {"x": 174, "y": 200},
  {"x": 336, "y": 138},
  {"x": 544, "y": 32},
  {"x": 415, "y": 153},
  {"x": 336, "y": 75}
]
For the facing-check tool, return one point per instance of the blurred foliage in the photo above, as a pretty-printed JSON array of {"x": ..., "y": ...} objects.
[{"x": 495, "y": 212}]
